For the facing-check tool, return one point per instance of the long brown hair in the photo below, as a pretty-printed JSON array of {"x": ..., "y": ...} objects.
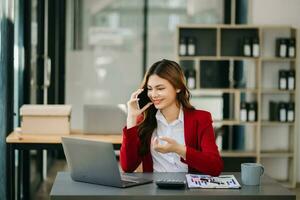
[{"x": 172, "y": 72}]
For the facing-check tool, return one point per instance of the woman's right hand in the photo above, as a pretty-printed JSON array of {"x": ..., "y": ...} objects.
[{"x": 133, "y": 109}]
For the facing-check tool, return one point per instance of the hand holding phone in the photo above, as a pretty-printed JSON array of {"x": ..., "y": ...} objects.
[
  {"x": 136, "y": 105},
  {"x": 143, "y": 98}
]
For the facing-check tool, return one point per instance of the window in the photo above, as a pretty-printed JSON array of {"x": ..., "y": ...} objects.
[
  {"x": 164, "y": 16},
  {"x": 104, "y": 63}
]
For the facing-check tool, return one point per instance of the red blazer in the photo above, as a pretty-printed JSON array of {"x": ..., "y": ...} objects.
[{"x": 202, "y": 154}]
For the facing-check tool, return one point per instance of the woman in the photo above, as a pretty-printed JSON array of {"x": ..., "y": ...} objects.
[{"x": 168, "y": 134}]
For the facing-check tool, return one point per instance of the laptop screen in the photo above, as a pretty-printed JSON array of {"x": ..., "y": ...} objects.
[{"x": 104, "y": 119}]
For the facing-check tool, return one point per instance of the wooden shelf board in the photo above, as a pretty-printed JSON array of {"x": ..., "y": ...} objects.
[
  {"x": 225, "y": 121},
  {"x": 271, "y": 123},
  {"x": 235, "y": 26},
  {"x": 248, "y": 123},
  {"x": 276, "y": 91},
  {"x": 238, "y": 154},
  {"x": 219, "y": 91},
  {"x": 278, "y": 59},
  {"x": 213, "y": 58},
  {"x": 223, "y": 26},
  {"x": 247, "y": 90},
  {"x": 239, "y": 58},
  {"x": 234, "y": 122},
  {"x": 199, "y": 58},
  {"x": 277, "y": 27}
]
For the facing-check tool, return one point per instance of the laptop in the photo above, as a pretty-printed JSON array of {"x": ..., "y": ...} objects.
[
  {"x": 104, "y": 119},
  {"x": 95, "y": 162}
]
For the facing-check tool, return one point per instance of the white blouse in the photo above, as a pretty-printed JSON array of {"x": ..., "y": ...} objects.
[{"x": 169, "y": 162}]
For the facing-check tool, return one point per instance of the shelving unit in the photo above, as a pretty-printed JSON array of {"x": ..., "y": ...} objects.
[
  {"x": 218, "y": 47},
  {"x": 238, "y": 153}
]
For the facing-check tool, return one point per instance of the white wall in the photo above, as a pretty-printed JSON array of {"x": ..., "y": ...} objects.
[
  {"x": 284, "y": 12},
  {"x": 275, "y": 12}
]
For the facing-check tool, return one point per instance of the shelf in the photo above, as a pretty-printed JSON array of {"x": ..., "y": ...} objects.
[
  {"x": 276, "y": 154},
  {"x": 267, "y": 59},
  {"x": 234, "y": 122},
  {"x": 229, "y": 26},
  {"x": 277, "y": 91},
  {"x": 247, "y": 123},
  {"x": 225, "y": 122},
  {"x": 235, "y": 26},
  {"x": 247, "y": 90},
  {"x": 232, "y": 39},
  {"x": 216, "y": 58},
  {"x": 204, "y": 40},
  {"x": 197, "y": 57},
  {"x": 238, "y": 153},
  {"x": 277, "y": 59},
  {"x": 276, "y": 123},
  {"x": 214, "y": 67},
  {"x": 239, "y": 58},
  {"x": 219, "y": 91}
]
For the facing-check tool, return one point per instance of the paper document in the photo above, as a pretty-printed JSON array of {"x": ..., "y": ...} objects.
[{"x": 206, "y": 181}]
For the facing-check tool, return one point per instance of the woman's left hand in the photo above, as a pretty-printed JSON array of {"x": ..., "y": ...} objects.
[{"x": 170, "y": 146}]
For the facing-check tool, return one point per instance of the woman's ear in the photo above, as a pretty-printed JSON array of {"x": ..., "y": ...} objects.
[{"x": 178, "y": 90}]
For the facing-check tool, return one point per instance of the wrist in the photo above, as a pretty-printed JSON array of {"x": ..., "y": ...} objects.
[
  {"x": 131, "y": 122},
  {"x": 131, "y": 116}
]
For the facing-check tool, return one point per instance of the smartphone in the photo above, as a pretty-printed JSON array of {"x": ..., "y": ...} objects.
[{"x": 143, "y": 98}]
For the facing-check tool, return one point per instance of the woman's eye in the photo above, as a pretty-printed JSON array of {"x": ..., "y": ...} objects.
[{"x": 161, "y": 88}]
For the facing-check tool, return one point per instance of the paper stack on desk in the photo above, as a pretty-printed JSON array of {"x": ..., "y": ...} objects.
[{"x": 206, "y": 181}]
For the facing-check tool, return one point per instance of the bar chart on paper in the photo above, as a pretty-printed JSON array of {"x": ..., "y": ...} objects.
[{"x": 206, "y": 181}]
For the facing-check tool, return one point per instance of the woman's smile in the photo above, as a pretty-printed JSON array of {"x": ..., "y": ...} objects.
[{"x": 156, "y": 102}]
